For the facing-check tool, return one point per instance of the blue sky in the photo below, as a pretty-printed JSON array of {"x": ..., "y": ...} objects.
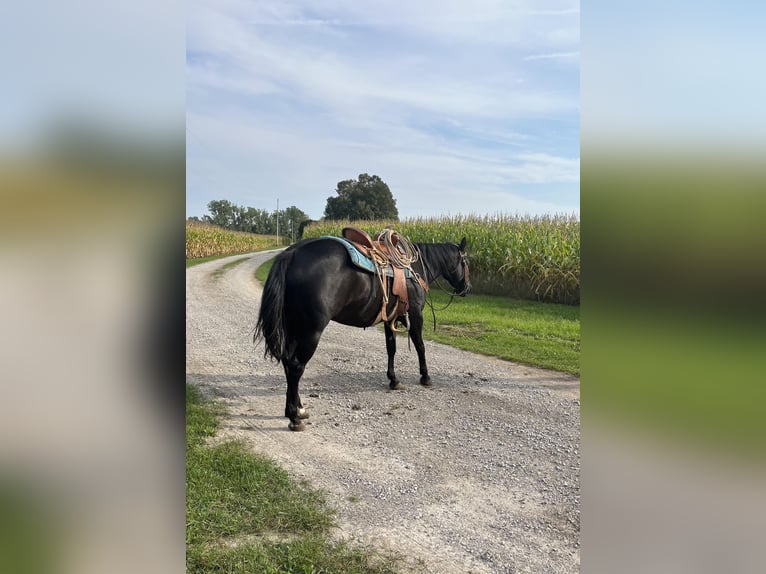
[
  {"x": 461, "y": 107},
  {"x": 674, "y": 76}
]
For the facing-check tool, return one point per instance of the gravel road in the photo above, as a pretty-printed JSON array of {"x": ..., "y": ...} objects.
[{"x": 479, "y": 473}]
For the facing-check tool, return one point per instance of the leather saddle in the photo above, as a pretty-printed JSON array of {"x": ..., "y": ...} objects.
[{"x": 379, "y": 252}]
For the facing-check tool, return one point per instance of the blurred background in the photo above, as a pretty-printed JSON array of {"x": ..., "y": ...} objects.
[
  {"x": 91, "y": 286},
  {"x": 672, "y": 202}
]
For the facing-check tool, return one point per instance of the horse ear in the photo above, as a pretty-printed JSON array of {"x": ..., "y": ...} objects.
[{"x": 462, "y": 245}]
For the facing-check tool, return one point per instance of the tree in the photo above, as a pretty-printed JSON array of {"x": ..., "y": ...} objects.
[
  {"x": 222, "y": 213},
  {"x": 290, "y": 220},
  {"x": 366, "y": 198},
  {"x": 240, "y": 218},
  {"x": 303, "y": 225}
]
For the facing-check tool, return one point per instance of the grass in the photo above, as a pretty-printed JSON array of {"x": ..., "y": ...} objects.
[
  {"x": 245, "y": 514},
  {"x": 545, "y": 335},
  {"x": 220, "y": 271},
  {"x": 198, "y": 260},
  {"x": 263, "y": 271},
  {"x": 700, "y": 377}
]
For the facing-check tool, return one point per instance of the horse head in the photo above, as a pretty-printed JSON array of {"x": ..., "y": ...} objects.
[{"x": 457, "y": 272}]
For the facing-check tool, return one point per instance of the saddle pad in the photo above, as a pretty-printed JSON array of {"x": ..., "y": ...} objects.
[{"x": 362, "y": 261}]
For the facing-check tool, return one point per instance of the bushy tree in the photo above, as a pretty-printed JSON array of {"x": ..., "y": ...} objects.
[
  {"x": 365, "y": 198},
  {"x": 290, "y": 222},
  {"x": 221, "y": 213},
  {"x": 239, "y": 218}
]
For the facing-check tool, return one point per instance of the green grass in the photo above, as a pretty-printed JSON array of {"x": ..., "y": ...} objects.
[
  {"x": 263, "y": 271},
  {"x": 543, "y": 335},
  {"x": 220, "y": 271},
  {"x": 33, "y": 530},
  {"x": 699, "y": 377},
  {"x": 539, "y": 334},
  {"x": 193, "y": 262},
  {"x": 245, "y": 514},
  {"x": 197, "y": 261}
]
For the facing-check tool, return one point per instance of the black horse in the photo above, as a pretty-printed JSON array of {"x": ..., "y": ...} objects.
[{"x": 314, "y": 282}]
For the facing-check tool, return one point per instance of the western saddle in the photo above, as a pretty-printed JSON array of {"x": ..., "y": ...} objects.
[{"x": 389, "y": 250}]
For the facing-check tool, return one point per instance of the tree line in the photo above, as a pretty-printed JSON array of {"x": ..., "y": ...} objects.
[
  {"x": 289, "y": 221},
  {"x": 365, "y": 198}
]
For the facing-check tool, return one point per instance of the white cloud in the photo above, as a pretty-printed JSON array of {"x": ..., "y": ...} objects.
[
  {"x": 430, "y": 96},
  {"x": 553, "y": 56}
]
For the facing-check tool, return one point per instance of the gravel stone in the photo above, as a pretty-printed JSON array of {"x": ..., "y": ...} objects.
[{"x": 479, "y": 473}]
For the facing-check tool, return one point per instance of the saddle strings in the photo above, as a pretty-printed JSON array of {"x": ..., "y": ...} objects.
[{"x": 400, "y": 252}]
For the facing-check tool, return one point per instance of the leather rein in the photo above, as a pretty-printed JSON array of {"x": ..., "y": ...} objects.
[{"x": 429, "y": 299}]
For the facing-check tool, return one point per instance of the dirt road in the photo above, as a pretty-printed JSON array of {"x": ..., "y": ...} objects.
[{"x": 479, "y": 473}]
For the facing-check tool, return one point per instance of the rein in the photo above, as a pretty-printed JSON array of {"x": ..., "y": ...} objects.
[
  {"x": 451, "y": 294},
  {"x": 431, "y": 304}
]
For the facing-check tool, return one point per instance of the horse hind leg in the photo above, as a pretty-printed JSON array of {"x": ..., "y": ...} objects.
[
  {"x": 294, "y": 366},
  {"x": 302, "y": 412},
  {"x": 293, "y": 406}
]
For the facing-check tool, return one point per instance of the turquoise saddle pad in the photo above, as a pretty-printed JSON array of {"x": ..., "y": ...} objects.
[{"x": 361, "y": 261}]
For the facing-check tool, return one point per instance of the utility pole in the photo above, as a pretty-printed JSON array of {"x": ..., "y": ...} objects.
[{"x": 277, "y": 222}]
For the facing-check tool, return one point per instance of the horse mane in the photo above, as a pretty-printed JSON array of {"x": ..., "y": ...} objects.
[{"x": 435, "y": 257}]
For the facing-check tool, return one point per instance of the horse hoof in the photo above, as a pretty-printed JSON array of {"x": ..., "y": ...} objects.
[
  {"x": 425, "y": 381},
  {"x": 297, "y": 427},
  {"x": 303, "y": 414},
  {"x": 397, "y": 386}
]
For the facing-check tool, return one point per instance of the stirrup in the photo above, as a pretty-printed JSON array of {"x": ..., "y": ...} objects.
[{"x": 392, "y": 324}]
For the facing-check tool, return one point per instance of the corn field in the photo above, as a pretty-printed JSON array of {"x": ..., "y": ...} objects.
[
  {"x": 517, "y": 256},
  {"x": 207, "y": 240}
]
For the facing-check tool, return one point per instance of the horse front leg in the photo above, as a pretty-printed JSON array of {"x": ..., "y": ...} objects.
[
  {"x": 416, "y": 334},
  {"x": 393, "y": 382}
]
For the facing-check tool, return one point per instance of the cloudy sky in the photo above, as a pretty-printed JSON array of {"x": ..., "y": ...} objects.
[{"x": 461, "y": 107}]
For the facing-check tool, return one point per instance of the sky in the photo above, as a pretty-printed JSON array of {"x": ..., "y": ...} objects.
[
  {"x": 460, "y": 107},
  {"x": 115, "y": 67},
  {"x": 674, "y": 76}
]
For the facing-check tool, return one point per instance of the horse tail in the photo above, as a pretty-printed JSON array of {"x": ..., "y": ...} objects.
[{"x": 271, "y": 319}]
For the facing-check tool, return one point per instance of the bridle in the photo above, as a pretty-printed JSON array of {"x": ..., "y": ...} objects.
[
  {"x": 453, "y": 293},
  {"x": 466, "y": 281}
]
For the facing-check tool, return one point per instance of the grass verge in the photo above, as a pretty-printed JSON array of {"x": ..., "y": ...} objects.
[
  {"x": 543, "y": 335},
  {"x": 245, "y": 514},
  {"x": 193, "y": 262},
  {"x": 223, "y": 268},
  {"x": 197, "y": 261},
  {"x": 662, "y": 369},
  {"x": 263, "y": 271}
]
